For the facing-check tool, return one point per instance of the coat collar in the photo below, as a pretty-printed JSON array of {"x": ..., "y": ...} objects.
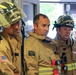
[{"x": 37, "y": 36}]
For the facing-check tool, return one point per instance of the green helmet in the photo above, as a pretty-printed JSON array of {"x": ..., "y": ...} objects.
[
  {"x": 10, "y": 14},
  {"x": 64, "y": 20}
]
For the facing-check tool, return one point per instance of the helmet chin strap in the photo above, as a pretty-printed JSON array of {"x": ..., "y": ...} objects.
[
  {"x": 1, "y": 30},
  {"x": 23, "y": 62}
]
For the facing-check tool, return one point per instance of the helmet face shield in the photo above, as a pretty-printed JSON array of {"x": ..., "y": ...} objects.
[
  {"x": 9, "y": 14},
  {"x": 64, "y": 20}
]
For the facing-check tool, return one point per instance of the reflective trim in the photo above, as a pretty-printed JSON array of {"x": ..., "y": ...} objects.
[
  {"x": 48, "y": 71},
  {"x": 74, "y": 65},
  {"x": 10, "y": 3},
  {"x": 59, "y": 69},
  {"x": 71, "y": 66},
  {"x": 45, "y": 71},
  {"x": 2, "y": 6}
]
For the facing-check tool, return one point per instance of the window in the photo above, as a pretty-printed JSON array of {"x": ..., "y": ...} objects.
[{"x": 53, "y": 11}]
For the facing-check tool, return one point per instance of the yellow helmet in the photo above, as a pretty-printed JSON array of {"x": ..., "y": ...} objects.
[
  {"x": 64, "y": 20},
  {"x": 10, "y": 14}
]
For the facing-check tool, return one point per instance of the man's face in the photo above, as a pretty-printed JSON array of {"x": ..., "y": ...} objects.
[
  {"x": 64, "y": 32},
  {"x": 42, "y": 27},
  {"x": 14, "y": 29}
]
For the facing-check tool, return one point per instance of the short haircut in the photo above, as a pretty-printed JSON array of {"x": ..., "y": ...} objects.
[{"x": 36, "y": 18}]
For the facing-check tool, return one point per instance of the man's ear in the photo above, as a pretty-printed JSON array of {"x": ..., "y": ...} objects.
[
  {"x": 35, "y": 26},
  {"x": 57, "y": 29}
]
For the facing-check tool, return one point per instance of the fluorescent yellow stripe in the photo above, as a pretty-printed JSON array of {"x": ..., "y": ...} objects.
[
  {"x": 43, "y": 68},
  {"x": 2, "y": 6},
  {"x": 48, "y": 73},
  {"x": 10, "y": 3},
  {"x": 59, "y": 69},
  {"x": 71, "y": 66},
  {"x": 75, "y": 65},
  {"x": 45, "y": 71}
]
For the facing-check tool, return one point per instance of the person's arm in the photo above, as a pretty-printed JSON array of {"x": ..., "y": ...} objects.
[
  {"x": 6, "y": 65},
  {"x": 31, "y": 60}
]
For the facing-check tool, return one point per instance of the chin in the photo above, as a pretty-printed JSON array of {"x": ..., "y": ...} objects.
[
  {"x": 44, "y": 35},
  {"x": 66, "y": 38},
  {"x": 16, "y": 34}
]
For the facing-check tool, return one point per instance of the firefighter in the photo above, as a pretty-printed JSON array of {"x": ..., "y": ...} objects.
[
  {"x": 39, "y": 55},
  {"x": 65, "y": 46},
  {"x": 10, "y": 43}
]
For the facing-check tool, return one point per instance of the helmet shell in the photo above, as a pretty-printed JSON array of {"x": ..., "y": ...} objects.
[
  {"x": 64, "y": 20},
  {"x": 10, "y": 14}
]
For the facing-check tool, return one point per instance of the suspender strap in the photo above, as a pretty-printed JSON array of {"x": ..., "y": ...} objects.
[{"x": 71, "y": 45}]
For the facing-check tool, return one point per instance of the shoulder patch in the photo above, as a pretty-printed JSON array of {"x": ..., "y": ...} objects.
[{"x": 31, "y": 53}]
